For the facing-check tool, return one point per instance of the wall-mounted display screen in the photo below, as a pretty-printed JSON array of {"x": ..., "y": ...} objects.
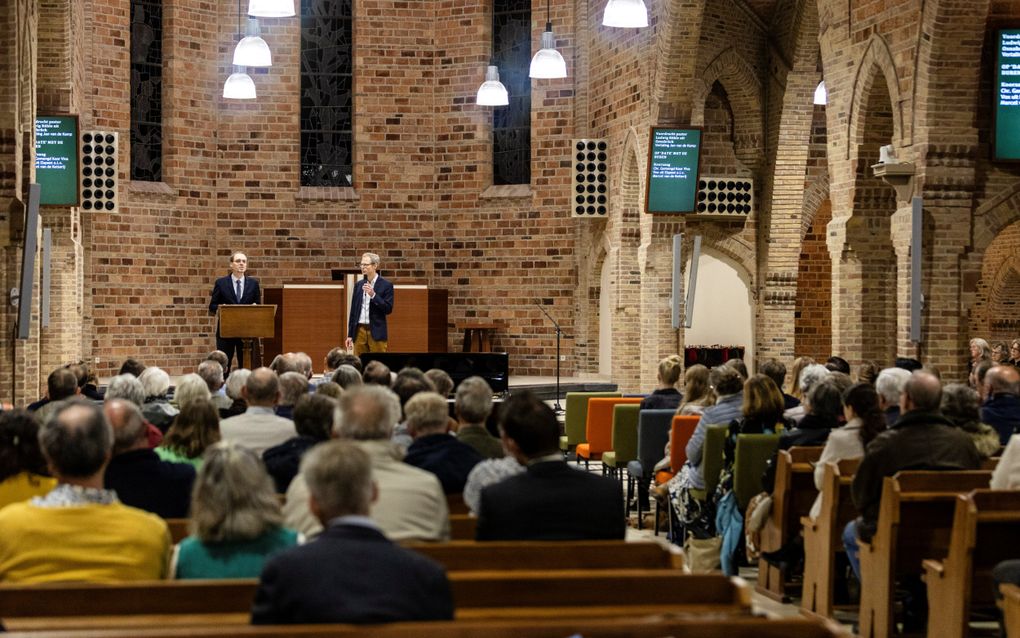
[
  {"x": 673, "y": 162},
  {"x": 1007, "y": 95},
  {"x": 56, "y": 159}
]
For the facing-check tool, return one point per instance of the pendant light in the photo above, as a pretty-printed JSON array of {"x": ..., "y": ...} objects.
[
  {"x": 548, "y": 63},
  {"x": 492, "y": 92},
  {"x": 625, "y": 13},
  {"x": 252, "y": 50},
  {"x": 239, "y": 86},
  {"x": 271, "y": 8}
]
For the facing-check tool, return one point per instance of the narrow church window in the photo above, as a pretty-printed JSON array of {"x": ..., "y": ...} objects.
[
  {"x": 511, "y": 125},
  {"x": 147, "y": 90},
  {"x": 327, "y": 106}
]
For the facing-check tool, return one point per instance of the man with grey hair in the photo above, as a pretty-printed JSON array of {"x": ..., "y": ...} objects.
[
  {"x": 259, "y": 429},
  {"x": 136, "y": 473},
  {"x": 473, "y": 405},
  {"x": 433, "y": 448},
  {"x": 371, "y": 301},
  {"x": 351, "y": 573},
  {"x": 411, "y": 503},
  {"x": 293, "y": 386},
  {"x": 212, "y": 373},
  {"x": 233, "y": 389},
  {"x": 1001, "y": 409},
  {"x": 128, "y": 387},
  {"x": 347, "y": 376},
  {"x": 889, "y": 386},
  {"x": 99, "y": 538},
  {"x": 921, "y": 439}
]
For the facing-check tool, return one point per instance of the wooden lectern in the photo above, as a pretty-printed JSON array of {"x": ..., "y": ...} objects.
[{"x": 247, "y": 323}]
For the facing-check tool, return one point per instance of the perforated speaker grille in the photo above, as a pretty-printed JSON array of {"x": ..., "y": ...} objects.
[
  {"x": 591, "y": 179},
  {"x": 725, "y": 196},
  {"x": 98, "y": 187}
]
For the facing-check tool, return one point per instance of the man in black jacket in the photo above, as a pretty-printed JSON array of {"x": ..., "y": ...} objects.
[
  {"x": 350, "y": 573},
  {"x": 1002, "y": 406},
  {"x": 550, "y": 500}
]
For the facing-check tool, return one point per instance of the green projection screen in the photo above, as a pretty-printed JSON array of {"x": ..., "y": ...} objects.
[
  {"x": 673, "y": 157},
  {"x": 1006, "y": 94},
  {"x": 56, "y": 159}
]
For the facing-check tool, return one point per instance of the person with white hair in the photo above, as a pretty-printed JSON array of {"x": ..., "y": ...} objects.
[
  {"x": 191, "y": 387},
  {"x": 234, "y": 387},
  {"x": 157, "y": 409},
  {"x": 127, "y": 386},
  {"x": 889, "y": 386},
  {"x": 809, "y": 377}
]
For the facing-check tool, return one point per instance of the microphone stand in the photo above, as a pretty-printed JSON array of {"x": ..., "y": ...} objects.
[{"x": 557, "y": 408}]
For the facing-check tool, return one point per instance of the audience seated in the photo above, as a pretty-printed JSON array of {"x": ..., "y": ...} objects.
[
  {"x": 824, "y": 411},
  {"x": 441, "y": 381},
  {"x": 134, "y": 367},
  {"x": 88, "y": 384},
  {"x": 473, "y": 405},
  {"x": 156, "y": 408},
  {"x": 79, "y": 531},
  {"x": 961, "y": 405},
  {"x": 347, "y": 376},
  {"x": 889, "y": 385},
  {"x": 433, "y": 449},
  {"x": 1001, "y": 409},
  {"x": 212, "y": 373},
  {"x": 313, "y": 420},
  {"x": 137, "y": 474},
  {"x": 378, "y": 373},
  {"x": 411, "y": 503},
  {"x": 408, "y": 382},
  {"x": 837, "y": 364},
  {"x": 191, "y": 387},
  {"x": 728, "y": 385},
  {"x": 234, "y": 389},
  {"x": 293, "y": 386},
  {"x": 1000, "y": 352},
  {"x": 810, "y": 375},
  {"x": 332, "y": 361},
  {"x": 329, "y": 389},
  {"x": 738, "y": 365},
  {"x": 798, "y": 366},
  {"x": 868, "y": 371},
  {"x": 979, "y": 351},
  {"x": 1006, "y": 475},
  {"x": 258, "y": 429},
  {"x": 666, "y": 396},
  {"x": 219, "y": 357},
  {"x": 129, "y": 388},
  {"x": 921, "y": 439},
  {"x": 697, "y": 394},
  {"x": 486, "y": 473},
  {"x": 1014, "y": 353},
  {"x": 23, "y": 471},
  {"x": 351, "y": 573},
  {"x": 775, "y": 370},
  {"x": 236, "y": 522},
  {"x": 61, "y": 384},
  {"x": 196, "y": 427},
  {"x": 549, "y": 500},
  {"x": 977, "y": 376}
]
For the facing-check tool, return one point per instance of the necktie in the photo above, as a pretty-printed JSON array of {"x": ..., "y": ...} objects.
[{"x": 237, "y": 284}]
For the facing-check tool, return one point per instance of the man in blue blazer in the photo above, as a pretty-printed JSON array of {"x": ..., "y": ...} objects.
[
  {"x": 350, "y": 573},
  {"x": 235, "y": 288},
  {"x": 371, "y": 301}
]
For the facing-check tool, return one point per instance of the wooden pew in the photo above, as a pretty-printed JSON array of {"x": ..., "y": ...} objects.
[
  {"x": 792, "y": 497},
  {"x": 986, "y": 527},
  {"x": 493, "y": 595},
  {"x": 517, "y": 555},
  {"x": 456, "y": 505},
  {"x": 914, "y": 521},
  {"x": 462, "y": 527},
  {"x": 1011, "y": 609},
  {"x": 178, "y": 529},
  {"x": 823, "y": 537},
  {"x": 630, "y": 627}
]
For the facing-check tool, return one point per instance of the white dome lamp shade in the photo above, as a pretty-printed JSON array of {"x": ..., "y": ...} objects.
[
  {"x": 625, "y": 13},
  {"x": 271, "y": 8},
  {"x": 492, "y": 92},
  {"x": 548, "y": 63},
  {"x": 239, "y": 86},
  {"x": 252, "y": 50}
]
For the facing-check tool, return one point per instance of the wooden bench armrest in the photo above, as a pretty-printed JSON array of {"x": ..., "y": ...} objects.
[
  {"x": 933, "y": 568},
  {"x": 809, "y": 523}
]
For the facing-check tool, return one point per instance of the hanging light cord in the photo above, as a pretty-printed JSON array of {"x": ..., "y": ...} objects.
[{"x": 548, "y": 19}]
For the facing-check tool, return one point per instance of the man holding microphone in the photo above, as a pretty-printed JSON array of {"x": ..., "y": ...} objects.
[{"x": 370, "y": 303}]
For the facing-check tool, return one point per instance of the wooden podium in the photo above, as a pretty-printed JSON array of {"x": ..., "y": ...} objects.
[{"x": 247, "y": 323}]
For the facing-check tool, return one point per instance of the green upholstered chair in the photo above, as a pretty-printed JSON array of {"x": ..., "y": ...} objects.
[
  {"x": 576, "y": 417},
  {"x": 752, "y": 455},
  {"x": 712, "y": 459},
  {"x": 625, "y": 436}
]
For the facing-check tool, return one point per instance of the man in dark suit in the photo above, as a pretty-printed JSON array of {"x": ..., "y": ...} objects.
[
  {"x": 371, "y": 301},
  {"x": 550, "y": 500},
  {"x": 350, "y": 573},
  {"x": 1001, "y": 409},
  {"x": 235, "y": 288}
]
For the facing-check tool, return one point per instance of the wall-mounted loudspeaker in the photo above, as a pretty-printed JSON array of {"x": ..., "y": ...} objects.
[
  {"x": 98, "y": 186},
  {"x": 591, "y": 179},
  {"x": 725, "y": 196}
]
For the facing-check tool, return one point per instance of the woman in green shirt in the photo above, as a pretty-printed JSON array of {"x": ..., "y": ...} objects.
[
  {"x": 236, "y": 522},
  {"x": 195, "y": 428}
]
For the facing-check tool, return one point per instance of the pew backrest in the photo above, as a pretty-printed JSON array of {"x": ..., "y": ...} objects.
[{"x": 550, "y": 555}]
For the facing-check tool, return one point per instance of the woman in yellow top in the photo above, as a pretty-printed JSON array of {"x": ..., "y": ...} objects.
[{"x": 22, "y": 468}]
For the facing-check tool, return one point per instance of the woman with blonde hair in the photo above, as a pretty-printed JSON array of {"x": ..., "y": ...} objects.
[
  {"x": 666, "y": 396},
  {"x": 798, "y": 366},
  {"x": 698, "y": 394},
  {"x": 236, "y": 521}
]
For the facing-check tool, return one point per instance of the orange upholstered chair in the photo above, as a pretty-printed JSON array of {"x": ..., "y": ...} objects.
[
  {"x": 599, "y": 427},
  {"x": 680, "y": 433}
]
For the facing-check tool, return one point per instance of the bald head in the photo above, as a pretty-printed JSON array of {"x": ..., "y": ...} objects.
[
  {"x": 129, "y": 432},
  {"x": 1002, "y": 380},
  {"x": 262, "y": 389},
  {"x": 76, "y": 441},
  {"x": 921, "y": 392}
]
